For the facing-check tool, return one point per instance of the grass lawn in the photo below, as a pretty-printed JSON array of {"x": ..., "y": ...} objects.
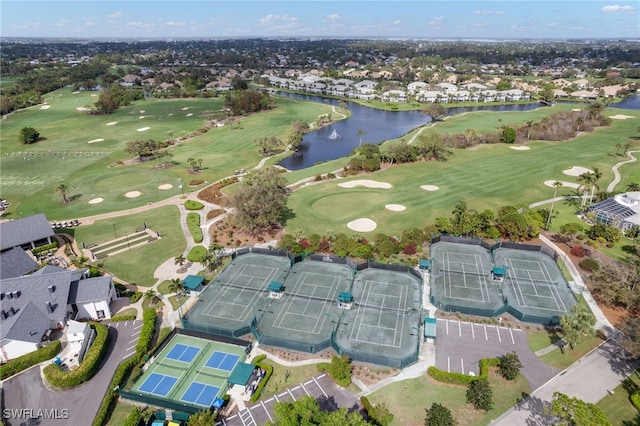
[
  {"x": 89, "y": 169},
  {"x": 277, "y": 382},
  {"x": 618, "y": 407},
  {"x": 408, "y": 399},
  {"x": 486, "y": 177},
  {"x": 540, "y": 339},
  {"x": 128, "y": 311},
  {"x": 120, "y": 413},
  {"x": 163, "y": 287},
  {"x": 176, "y": 303},
  {"x": 561, "y": 360},
  {"x": 137, "y": 266}
]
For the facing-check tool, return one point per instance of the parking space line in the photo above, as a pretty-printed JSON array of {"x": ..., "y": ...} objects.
[
  {"x": 129, "y": 355},
  {"x": 321, "y": 389},
  {"x": 252, "y": 419},
  {"x": 498, "y": 331},
  {"x": 485, "y": 332},
  {"x": 138, "y": 326},
  {"x": 473, "y": 334},
  {"x": 305, "y": 389},
  {"x": 294, "y": 398},
  {"x": 512, "y": 339},
  {"x": 462, "y": 364},
  {"x": 131, "y": 347},
  {"x": 276, "y": 397},
  {"x": 126, "y": 322},
  {"x": 446, "y": 323},
  {"x": 266, "y": 411},
  {"x": 448, "y": 365},
  {"x": 133, "y": 341},
  {"x": 460, "y": 328}
]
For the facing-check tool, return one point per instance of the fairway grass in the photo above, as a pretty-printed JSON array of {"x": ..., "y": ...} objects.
[
  {"x": 487, "y": 177},
  {"x": 31, "y": 173},
  {"x": 618, "y": 407}
]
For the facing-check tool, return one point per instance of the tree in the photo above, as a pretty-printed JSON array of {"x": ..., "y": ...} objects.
[
  {"x": 509, "y": 365},
  {"x": 508, "y": 135},
  {"x": 360, "y": 133},
  {"x": 202, "y": 418},
  {"x": 151, "y": 297},
  {"x": 439, "y": 415},
  {"x": 630, "y": 328},
  {"x": 530, "y": 125},
  {"x": 142, "y": 148},
  {"x": 261, "y": 200},
  {"x": 633, "y": 186},
  {"x": 435, "y": 111},
  {"x": 340, "y": 368},
  {"x": 556, "y": 185},
  {"x": 212, "y": 258},
  {"x": 179, "y": 260},
  {"x": 547, "y": 95},
  {"x": 480, "y": 394},
  {"x": 307, "y": 411},
  {"x": 575, "y": 412},
  {"x": 62, "y": 190},
  {"x": 28, "y": 135},
  {"x": 597, "y": 174},
  {"x": 459, "y": 212},
  {"x": 571, "y": 229},
  {"x": 176, "y": 285},
  {"x": 577, "y": 325}
]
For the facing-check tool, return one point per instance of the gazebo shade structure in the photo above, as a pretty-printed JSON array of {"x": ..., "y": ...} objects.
[
  {"x": 430, "y": 328},
  {"x": 276, "y": 286},
  {"x": 192, "y": 282},
  {"x": 241, "y": 374},
  {"x": 499, "y": 271},
  {"x": 345, "y": 297}
]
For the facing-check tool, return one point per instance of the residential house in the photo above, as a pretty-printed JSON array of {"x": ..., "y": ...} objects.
[
  {"x": 448, "y": 87},
  {"x": 129, "y": 80},
  {"x": 394, "y": 96},
  {"x": 416, "y": 86}
]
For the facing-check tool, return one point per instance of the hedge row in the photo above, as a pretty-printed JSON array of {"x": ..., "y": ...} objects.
[
  {"x": 460, "y": 378},
  {"x": 53, "y": 245},
  {"x": 88, "y": 367},
  {"x": 635, "y": 399},
  {"x": 32, "y": 358},
  {"x": 133, "y": 298},
  {"x": 193, "y": 223},
  {"x": 124, "y": 369},
  {"x": 268, "y": 372}
]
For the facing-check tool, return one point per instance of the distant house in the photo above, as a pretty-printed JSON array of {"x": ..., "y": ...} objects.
[
  {"x": 621, "y": 211},
  {"x": 32, "y": 305},
  {"x": 129, "y": 80},
  {"x": 394, "y": 96}
]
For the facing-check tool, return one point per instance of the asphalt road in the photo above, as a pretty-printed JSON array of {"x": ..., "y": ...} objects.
[
  {"x": 26, "y": 401},
  {"x": 461, "y": 345},
  {"x": 590, "y": 379}
]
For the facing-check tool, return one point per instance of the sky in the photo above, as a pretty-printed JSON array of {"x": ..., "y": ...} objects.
[{"x": 423, "y": 19}]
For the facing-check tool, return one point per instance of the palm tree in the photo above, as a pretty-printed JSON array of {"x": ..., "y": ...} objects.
[
  {"x": 588, "y": 179},
  {"x": 530, "y": 124},
  {"x": 597, "y": 174},
  {"x": 176, "y": 285},
  {"x": 633, "y": 186},
  {"x": 62, "y": 189},
  {"x": 179, "y": 260},
  {"x": 556, "y": 185},
  {"x": 459, "y": 212},
  {"x": 626, "y": 148},
  {"x": 151, "y": 297},
  {"x": 618, "y": 148},
  {"x": 580, "y": 122},
  {"x": 360, "y": 134}
]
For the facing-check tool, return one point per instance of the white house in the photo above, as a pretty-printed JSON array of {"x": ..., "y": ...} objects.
[
  {"x": 448, "y": 87},
  {"x": 394, "y": 96},
  {"x": 416, "y": 86}
]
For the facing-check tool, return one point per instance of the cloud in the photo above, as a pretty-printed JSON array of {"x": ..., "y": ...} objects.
[
  {"x": 175, "y": 23},
  {"x": 397, "y": 22},
  {"x": 488, "y": 12},
  {"x": 617, "y": 8},
  {"x": 436, "y": 20},
  {"x": 115, "y": 15},
  {"x": 274, "y": 19},
  {"x": 333, "y": 17}
]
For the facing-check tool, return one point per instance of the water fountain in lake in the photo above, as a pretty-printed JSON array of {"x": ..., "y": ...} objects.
[{"x": 334, "y": 135}]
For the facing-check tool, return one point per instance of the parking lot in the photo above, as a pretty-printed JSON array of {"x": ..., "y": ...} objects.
[
  {"x": 330, "y": 396},
  {"x": 461, "y": 345}
]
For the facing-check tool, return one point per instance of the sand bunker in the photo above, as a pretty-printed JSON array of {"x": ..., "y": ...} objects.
[
  {"x": 565, "y": 184},
  {"x": 520, "y": 148},
  {"x": 365, "y": 183},
  {"x": 83, "y": 109},
  {"x": 96, "y": 200},
  {"x": 185, "y": 108},
  {"x": 620, "y": 117},
  {"x": 95, "y": 140},
  {"x": 45, "y": 107},
  {"x": 576, "y": 109},
  {"x": 430, "y": 187},
  {"x": 576, "y": 171},
  {"x": 75, "y": 93},
  {"x": 113, "y": 123},
  {"x": 165, "y": 186},
  {"x": 190, "y": 114},
  {"x": 142, "y": 112},
  {"x": 94, "y": 95},
  {"x": 362, "y": 225},
  {"x": 142, "y": 116},
  {"x": 143, "y": 129},
  {"x": 133, "y": 194},
  {"x": 395, "y": 207}
]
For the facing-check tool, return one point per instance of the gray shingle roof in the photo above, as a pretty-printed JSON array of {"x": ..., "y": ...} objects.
[
  {"x": 15, "y": 263},
  {"x": 21, "y": 231},
  {"x": 28, "y": 324},
  {"x": 90, "y": 290}
]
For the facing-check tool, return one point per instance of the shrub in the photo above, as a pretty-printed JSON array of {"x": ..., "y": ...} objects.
[
  {"x": 463, "y": 379},
  {"x": 23, "y": 362},
  {"x": 635, "y": 399},
  {"x": 134, "y": 417},
  {"x": 339, "y": 369},
  {"x": 480, "y": 394},
  {"x": 135, "y": 297},
  {"x": 193, "y": 222},
  {"x": 88, "y": 367},
  {"x": 147, "y": 332},
  {"x": 53, "y": 245},
  {"x": 509, "y": 365},
  {"x": 590, "y": 265},
  {"x": 196, "y": 182},
  {"x": 117, "y": 318},
  {"x": 577, "y": 251},
  {"x": 379, "y": 413},
  {"x": 193, "y": 205}
]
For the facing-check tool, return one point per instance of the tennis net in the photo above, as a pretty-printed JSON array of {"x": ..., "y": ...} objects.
[
  {"x": 474, "y": 274},
  {"x": 523, "y": 280},
  {"x": 173, "y": 367},
  {"x": 211, "y": 374},
  {"x": 225, "y": 284},
  {"x": 306, "y": 296},
  {"x": 384, "y": 308}
]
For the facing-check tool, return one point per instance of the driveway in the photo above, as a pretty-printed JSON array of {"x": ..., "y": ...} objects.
[
  {"x": 461, "y": 345},
  {"x": 30, "y": 403},
  {"x": 330, "y": 396}
]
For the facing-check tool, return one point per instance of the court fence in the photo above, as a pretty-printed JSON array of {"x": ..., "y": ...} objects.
[{"x": 126, "y": 392}]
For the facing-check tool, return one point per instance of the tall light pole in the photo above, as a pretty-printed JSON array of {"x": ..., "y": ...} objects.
[{"x": 114, "y": 231}]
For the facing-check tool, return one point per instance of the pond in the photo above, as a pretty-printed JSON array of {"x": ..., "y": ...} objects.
[{"x": 340, "y": 138}]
